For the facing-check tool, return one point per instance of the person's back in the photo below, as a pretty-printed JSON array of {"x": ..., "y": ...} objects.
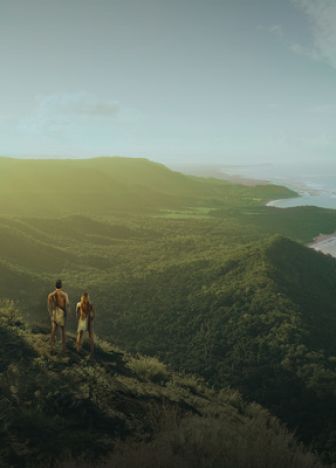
[
  {"x": 58, "y": 307},
  {"x": 85, "y": 314},
  {"x": 84, "y": 309},
  {"x": 60, "y": 299}
]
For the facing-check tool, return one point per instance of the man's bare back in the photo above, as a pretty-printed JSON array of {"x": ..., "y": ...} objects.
[
  {"x": 58, "y": 308},
  {"x": 62, "y": 299}
]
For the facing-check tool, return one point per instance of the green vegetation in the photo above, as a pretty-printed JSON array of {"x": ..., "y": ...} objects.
[
  {"x": 262, "y": 320},
  {"x": 149, "y": 369},
  {"x": 73, "y": 412},
  {"x": 105, "y": 186},
  {"x": 186, "y": 270}
]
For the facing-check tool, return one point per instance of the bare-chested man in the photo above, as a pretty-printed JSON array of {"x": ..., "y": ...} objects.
[{"x": 58, "y": 307}]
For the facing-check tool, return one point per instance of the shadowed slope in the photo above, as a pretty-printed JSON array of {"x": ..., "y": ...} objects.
[
  {"x": 262, "y": 320},
  {"x": 57, "y": 407}
]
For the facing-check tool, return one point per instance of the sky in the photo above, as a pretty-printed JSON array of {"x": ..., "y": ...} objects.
[{"x": 177, "y": 81}]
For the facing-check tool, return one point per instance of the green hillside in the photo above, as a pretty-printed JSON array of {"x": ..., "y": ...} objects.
[
  {"x": 262, "y": 320},
  {"x": 103, "y": 186},
  {"x": 124, "y": 410},
  {"x": 188, "y": 269}
]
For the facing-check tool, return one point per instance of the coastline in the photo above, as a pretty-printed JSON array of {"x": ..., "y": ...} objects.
[
  {"x": 325, "y": 243},
  {"x": 307, "y": 194},
  {"x": 322, "y": 238},
  {"x": 322, "y": 199}
]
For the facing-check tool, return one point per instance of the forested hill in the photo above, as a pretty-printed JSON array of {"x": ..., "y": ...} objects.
[
  {"x": 124, "y": 411},
  {"x": 101, "y": 186},
  {"x": 188, "y": 269},
  {"x": 262, "y": 320}
]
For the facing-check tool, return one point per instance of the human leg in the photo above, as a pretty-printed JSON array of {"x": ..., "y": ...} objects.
[
  {"x": 53, "y": 335},
  {"x": 79, "y": 340},
  {"x": 63, "y": 332},
  {"x": 91, "y": 339}
]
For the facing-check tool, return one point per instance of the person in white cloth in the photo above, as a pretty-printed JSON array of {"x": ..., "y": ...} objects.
[
  {"x": 85, "y": 314},
  {"x": 58, "y": 308}
]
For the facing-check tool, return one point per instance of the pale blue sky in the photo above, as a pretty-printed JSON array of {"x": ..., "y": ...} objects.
[{"x": 225, "y": 81}]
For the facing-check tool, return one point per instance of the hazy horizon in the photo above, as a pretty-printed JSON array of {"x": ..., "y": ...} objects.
[{"x": 191, "y": 81}]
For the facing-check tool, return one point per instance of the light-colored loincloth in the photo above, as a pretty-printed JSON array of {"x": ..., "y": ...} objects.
[
  {"x": 58, "y": 316},
  {"x": 82, "y": 325}
]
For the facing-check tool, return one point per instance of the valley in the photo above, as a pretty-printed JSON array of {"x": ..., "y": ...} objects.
[{"x": 198, "y": 272}]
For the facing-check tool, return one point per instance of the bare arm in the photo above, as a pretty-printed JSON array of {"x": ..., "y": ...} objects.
[
  {"x": 67, "y": 305},
  {"x": 77, "y": 311},
  {"x": 50, "y": 304}
]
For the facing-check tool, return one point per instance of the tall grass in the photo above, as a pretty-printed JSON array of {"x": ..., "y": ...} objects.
[
  {"x": 149, "y": 369},
  {"x": 209, "y": 442}
]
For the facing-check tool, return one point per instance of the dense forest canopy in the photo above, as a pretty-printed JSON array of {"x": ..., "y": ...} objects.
[{"x": 197, "y": 271}]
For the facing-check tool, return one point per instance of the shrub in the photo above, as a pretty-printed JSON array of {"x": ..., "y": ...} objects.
[
  {"x": 206, "y": 442},
  {"x": 149, "y": 368}
]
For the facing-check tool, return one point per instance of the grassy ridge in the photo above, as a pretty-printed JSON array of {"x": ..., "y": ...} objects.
[
  {"x": 131, "y": 411},
  {"x": 103, "y": 186}
]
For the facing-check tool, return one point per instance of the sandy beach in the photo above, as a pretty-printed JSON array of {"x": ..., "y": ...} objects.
[{"x": 325, "y": 243}]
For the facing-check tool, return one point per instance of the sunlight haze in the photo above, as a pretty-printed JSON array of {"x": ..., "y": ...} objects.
[{"x": 225, "y": 81}]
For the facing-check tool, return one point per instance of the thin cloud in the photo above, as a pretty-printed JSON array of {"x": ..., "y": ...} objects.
[
  {"x": 64, "y": 113},
  {"x": 78, "y": 103},
  {"x": 76, "y": 124},
  {"x": 322, "y": 22},
  {"x": 275, "y": 29},
  {"x": 299, "y": 49}
]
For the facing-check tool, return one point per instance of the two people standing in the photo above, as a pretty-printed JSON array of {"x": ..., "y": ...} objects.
[{"x": 59, "y": 309}]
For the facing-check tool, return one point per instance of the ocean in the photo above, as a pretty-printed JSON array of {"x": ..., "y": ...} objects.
[{"x": 315, "y": 183}]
